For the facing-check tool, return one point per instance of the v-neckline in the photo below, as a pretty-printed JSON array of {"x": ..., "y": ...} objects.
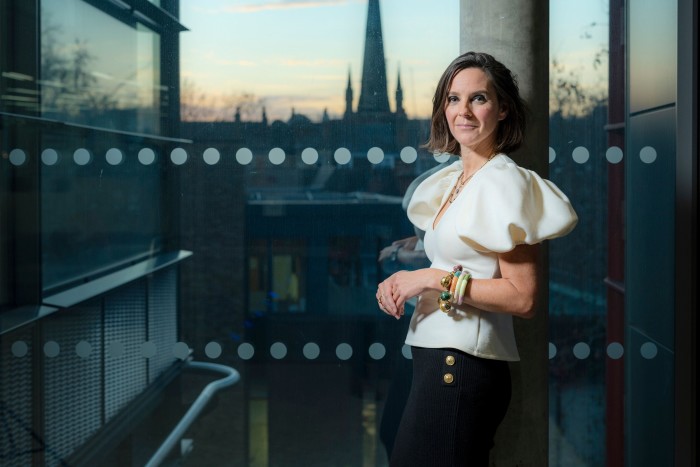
[{"x": 445, "y": 206}]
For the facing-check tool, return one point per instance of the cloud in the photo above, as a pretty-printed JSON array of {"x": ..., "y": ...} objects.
[{"x": 213, "y": 57}]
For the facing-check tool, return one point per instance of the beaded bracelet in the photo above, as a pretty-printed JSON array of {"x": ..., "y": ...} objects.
[{"x": 450, "y": 283}]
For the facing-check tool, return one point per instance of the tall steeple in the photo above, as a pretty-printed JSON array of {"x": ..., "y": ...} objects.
[
  {"x": 348, "y": 98},
  {"x": 399, "y": 95},
  {"x": 373, "y": 95}
]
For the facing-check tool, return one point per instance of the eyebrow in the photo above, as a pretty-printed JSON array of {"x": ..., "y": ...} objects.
[{"x": 482, "y": 91}]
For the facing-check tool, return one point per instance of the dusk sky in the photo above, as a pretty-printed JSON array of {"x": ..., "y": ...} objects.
[{"x": 297, "y": 53}]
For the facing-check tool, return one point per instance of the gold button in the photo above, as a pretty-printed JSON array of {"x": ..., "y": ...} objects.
[
  {"x": 450, "y": 360},
  {"x": 448, "y": 378}
]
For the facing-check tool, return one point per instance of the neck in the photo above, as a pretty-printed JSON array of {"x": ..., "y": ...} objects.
[{"x": 473, "y": 161}]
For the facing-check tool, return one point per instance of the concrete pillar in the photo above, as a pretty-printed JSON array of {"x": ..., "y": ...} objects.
[{"x": 516, "y": 32}]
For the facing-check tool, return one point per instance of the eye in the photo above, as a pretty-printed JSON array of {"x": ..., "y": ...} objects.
[
  {"x": 480, "y": 98},
  {"x": 451, "y": 99}
]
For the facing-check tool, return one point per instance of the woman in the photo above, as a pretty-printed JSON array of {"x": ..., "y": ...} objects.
[{"x": 483, "y": 217}]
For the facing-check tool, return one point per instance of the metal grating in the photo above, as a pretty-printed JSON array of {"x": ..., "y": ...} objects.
[
  {"x": 124, "y": 330},
  {"x": 16, "y": 401},
  {"x": 72, "y": 383},
  {"x": 162, "y": 320}
]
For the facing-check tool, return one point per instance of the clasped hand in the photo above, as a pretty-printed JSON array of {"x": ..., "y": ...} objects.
[{"x": 393, "y": 292}]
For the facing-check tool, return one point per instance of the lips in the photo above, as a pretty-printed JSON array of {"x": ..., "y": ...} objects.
[{"x": 466, "y": 126}]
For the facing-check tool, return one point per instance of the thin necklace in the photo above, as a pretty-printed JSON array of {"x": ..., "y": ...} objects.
[{"x": 463, "y": 181}]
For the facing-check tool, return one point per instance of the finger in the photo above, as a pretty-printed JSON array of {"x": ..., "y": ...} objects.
[
  {"x": 381, "y": 300},
  {"x": 384, "y": 308},
  {"x": 389, "y": 289},
  {"x": 389, "y": 304}
]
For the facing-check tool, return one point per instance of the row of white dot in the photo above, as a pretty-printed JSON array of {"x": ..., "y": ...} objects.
[
  {"x": 311, "y": 350},
  {"x": 277, "y": 156},
  {"x": 614, "y": 350}
]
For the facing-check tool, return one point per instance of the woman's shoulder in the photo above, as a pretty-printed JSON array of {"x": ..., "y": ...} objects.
[
  {"x": 504, "y": 177},
  {"x": 502, "y": 166},
  {"x": 429, "y": 195},
  {"x": 437, "y": 178},
  {"x": 509, "y": 205}
]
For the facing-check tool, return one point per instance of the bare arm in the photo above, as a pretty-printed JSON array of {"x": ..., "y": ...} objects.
[{"x": 514, "y": 292}]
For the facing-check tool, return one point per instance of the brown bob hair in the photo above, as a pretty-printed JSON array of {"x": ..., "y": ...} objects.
[{"x": 511, "y": 130}]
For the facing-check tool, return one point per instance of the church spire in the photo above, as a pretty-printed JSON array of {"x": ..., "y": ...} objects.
[
  {"x": 348, "y": 98},
  {"x": 373, "y": 95},
  {"x": 399, "y": 95}
]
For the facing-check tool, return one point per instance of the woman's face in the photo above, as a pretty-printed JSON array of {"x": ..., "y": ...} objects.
[{"x": 473, "y": 112}]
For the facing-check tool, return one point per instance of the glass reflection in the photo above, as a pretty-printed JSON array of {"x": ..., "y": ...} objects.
[
  {"x": 578, "y": 308},
  {"x": 98, "y": 71},
  {"x": 285, "y": 184}
]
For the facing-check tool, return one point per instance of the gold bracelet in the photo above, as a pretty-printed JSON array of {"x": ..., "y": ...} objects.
[
  {"x": 445, "y": 297},
  {"x": 445, "y": 301}
]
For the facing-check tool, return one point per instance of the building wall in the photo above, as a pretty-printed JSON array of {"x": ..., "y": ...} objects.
[{"x": 650, "y": 194}]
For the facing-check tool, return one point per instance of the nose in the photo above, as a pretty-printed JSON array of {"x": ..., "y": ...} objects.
[{"x": 466, "y": 111}]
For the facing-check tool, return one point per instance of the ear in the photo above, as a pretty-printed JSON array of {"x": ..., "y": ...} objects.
[{"x": 503, "y": 112}]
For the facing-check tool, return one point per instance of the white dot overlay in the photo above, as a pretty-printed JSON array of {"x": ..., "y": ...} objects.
[
  {"x": 580, "y": 155},
  {"x": 375, "y": 155},
  {"x": 52, "y": 349},
  {"x": 582, "y": 350},
  {"x": 114, "y": 156},
  {"x": 83, "y": 349},
  {"x": 342, "y": 156},
  {"x": 311, "y": 351},
  {"x": 147, "y": 156},
  {"x": 441, "y": 157},
  {"x": 49, "y": 157},
  {"x": 377, "y": 351},
  {"x": 20, "y": 349},
  {"x": 178, "y": 156},
  {"x": 211, "y": 156},
  {"x": 149, "y": 349},
  {"x": 17, "y": 157},
  {"x": 309, "y": 156},
  {"x": 614, "y": 155},
  {"x": 615, "y": 350},
  {"x": 276, "y": 156},
  {"x": 82, "y": 156},
  {"x": 648, "y": 350},
  {"x": 181, "y": 350},
  {"x": 244, "y": 156},
  {"x": 278, "y": 350},
  {"x": 408, "y": 155},
  {"x": 246, "y": 351},
  {"x": 647, "y": 154},
  {"x": 343, "y": 351},
  {"x": 213, "y": 350}
]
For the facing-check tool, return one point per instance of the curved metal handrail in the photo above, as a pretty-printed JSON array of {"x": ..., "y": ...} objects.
[{"x": 196, "y": 408}]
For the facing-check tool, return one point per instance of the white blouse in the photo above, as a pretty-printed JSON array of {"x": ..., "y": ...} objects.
[{"x": 502, "y": 206}]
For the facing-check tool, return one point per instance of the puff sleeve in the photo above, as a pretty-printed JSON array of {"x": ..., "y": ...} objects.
[
  {"x": 430, "y": 195},
  {"x": 507, "y": 205}
]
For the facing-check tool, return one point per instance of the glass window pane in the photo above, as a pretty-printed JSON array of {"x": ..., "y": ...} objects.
[
  {"x": 578, "y": 314},
  {"x": 198, "y": 199}
]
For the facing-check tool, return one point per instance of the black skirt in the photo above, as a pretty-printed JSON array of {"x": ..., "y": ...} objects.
[{"x": 453, "y": 410}]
